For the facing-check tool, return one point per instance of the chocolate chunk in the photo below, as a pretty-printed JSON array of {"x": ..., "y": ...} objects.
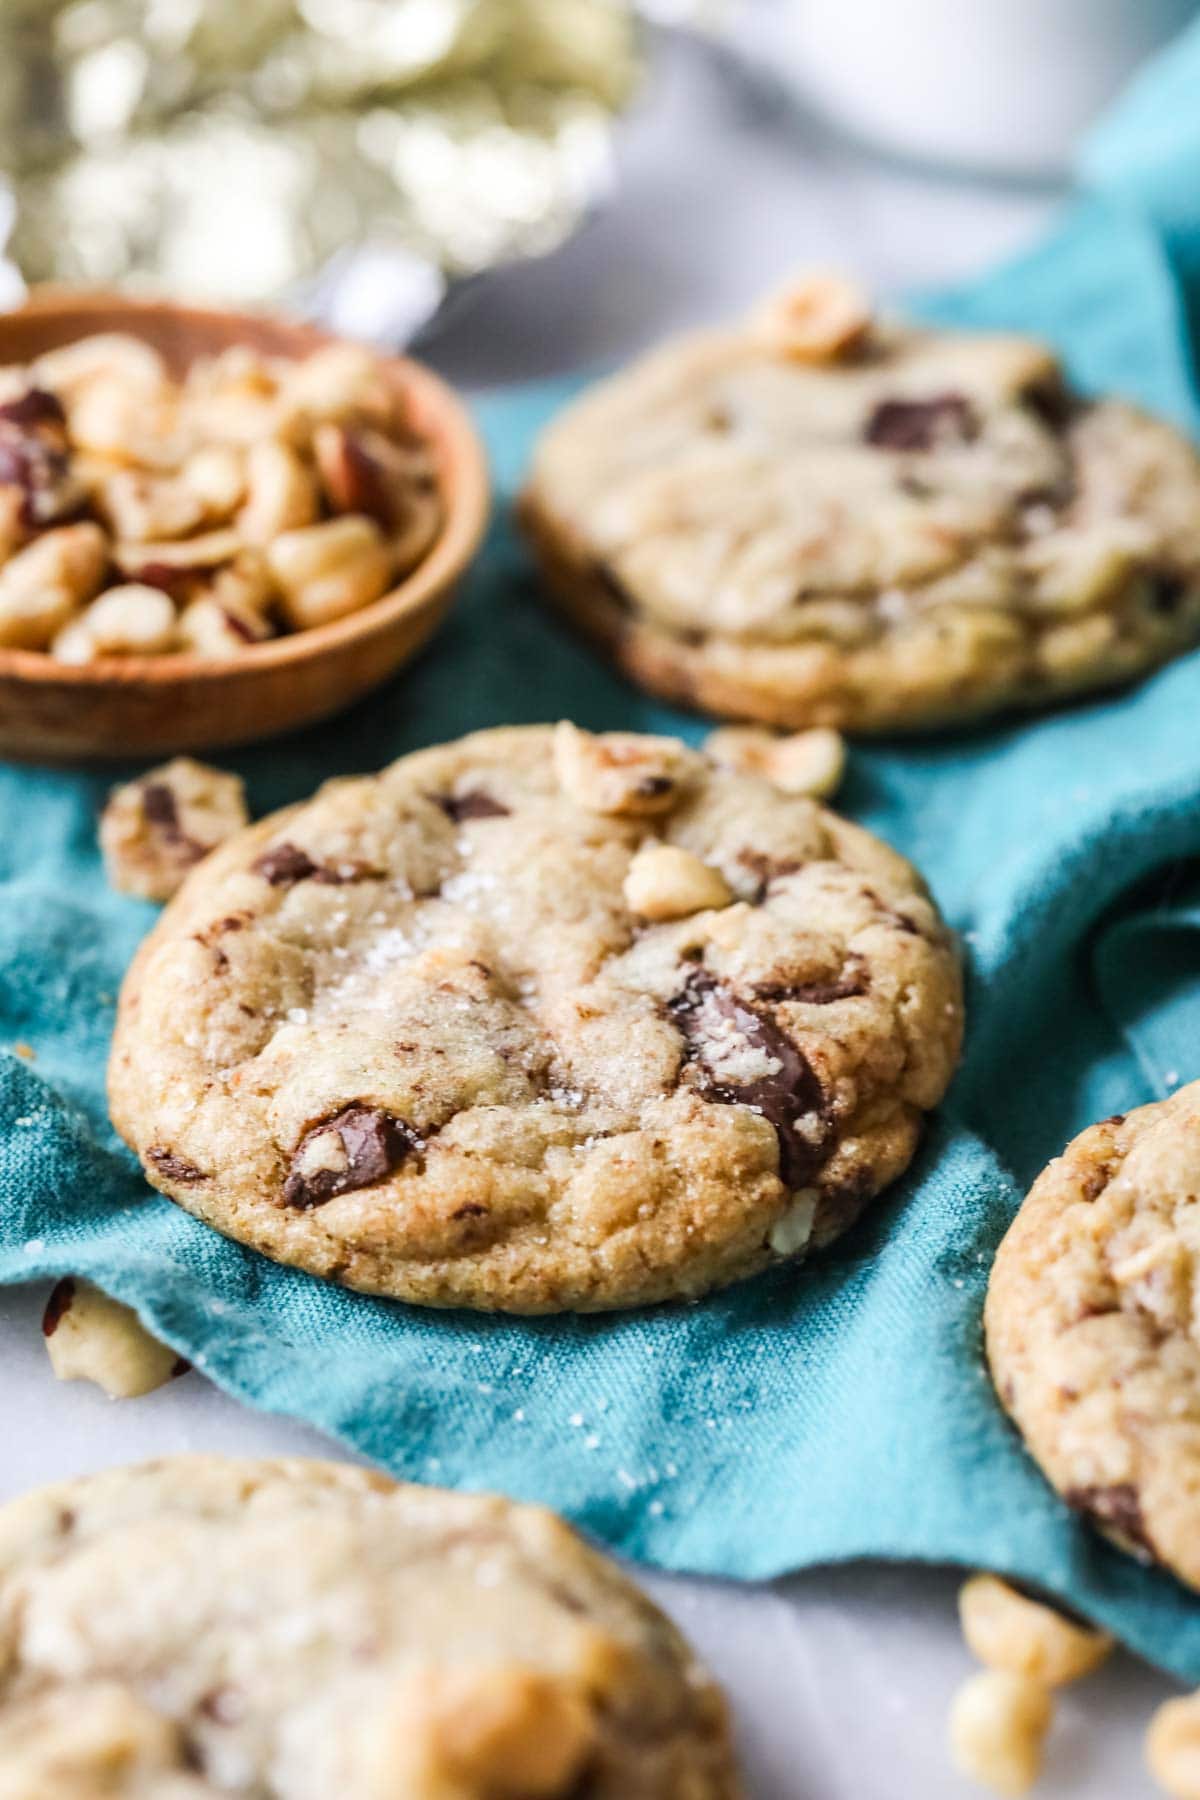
[
  {"x": 788, "y": 1094},
  {"x": 470, "y": 1210},
  {"x": 920, "y": 424},
  {"x": 1117, "y": 1506},
  {"x": 174, "y": 1166},
  {"x": 36, "y": 406},
  {"x": 652, "y": 787},
  {"x": 1167, "y": 591},
  {"x": 766, "y": 869},
  {"x": 58, "y": 1305},
  {"x": 847, "y": 986},
  {"x": 160, "y": 807},
  {"x": 613, "y": 588},
  {"x": 1052, "y": 401},
  {"x": 284, "y": 864},
  {"x": 375, "y": 1142},
  {"x": 474, "y": 804}
]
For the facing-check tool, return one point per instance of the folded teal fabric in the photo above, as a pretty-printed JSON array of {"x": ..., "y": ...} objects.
[{"x": 837, "y": 1411}]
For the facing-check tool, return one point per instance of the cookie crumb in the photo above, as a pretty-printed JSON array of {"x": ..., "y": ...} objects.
[{"x": 155, "y": 830}]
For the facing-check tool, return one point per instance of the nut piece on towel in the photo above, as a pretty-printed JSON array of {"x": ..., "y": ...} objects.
[
  {"x": 1009, "y": 1629},
  {"x": 90, "y": 1337},
  {"x": 998, "y": 1725},
  {"x": 154, "y": 830}
]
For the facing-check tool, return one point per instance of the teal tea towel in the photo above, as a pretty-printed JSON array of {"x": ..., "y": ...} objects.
[{"x": 840, "y": 1410}]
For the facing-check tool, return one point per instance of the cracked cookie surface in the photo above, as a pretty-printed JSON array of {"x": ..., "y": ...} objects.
[
  {"x": 921, "y": 528},
  {"x": 1092, "y": 1330},
  {"x": 291, "y": 1630},
  {"x": 414, "y": 1036}
]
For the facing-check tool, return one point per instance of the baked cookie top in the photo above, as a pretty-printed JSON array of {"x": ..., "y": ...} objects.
[
  {"x": 536, "y": 1021},
  {"x": 293, "y": 1630},
  {"x": 1092, "y": 1328},
  {"x": 818, "y": 518}
]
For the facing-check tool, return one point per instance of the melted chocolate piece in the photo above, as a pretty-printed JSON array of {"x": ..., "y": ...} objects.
[
  {"x": 920, "y": 424},
  {"x": 375, "y": 1142},
  {"x": 1167, "y": 591},
  {"x": 58, "y": 1305},
  {"x": 1052, "y": 401},
  {"x": 766, "y": 869},
  {"x": 174, "y": 1166},
  {"x": 240, "y": 627},
  {"x": 1117, "y": 1506},
  {"x": 284, "y": 864},
  {"x": 783, "y": 1097},
  {"x": 474, "y": 804},
  {"x": 36, "y": 406},
  {"x": 160, "y": 807},
  {"x": 847, "y": 986}
]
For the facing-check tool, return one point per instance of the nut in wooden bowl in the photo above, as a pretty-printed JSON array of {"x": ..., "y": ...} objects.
[{"x": 214, "y": 527}]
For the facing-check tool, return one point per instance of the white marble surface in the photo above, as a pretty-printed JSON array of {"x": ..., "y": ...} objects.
[{"x": 840, "y": 1679}]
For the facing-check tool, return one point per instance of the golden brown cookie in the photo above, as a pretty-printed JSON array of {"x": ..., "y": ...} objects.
[
  {"x": 1092, "y": 1331},
  {"x": 813, "y": 519},
  {"x": 536, "y": 1021},
  {"x": 302, "y": 1630}
]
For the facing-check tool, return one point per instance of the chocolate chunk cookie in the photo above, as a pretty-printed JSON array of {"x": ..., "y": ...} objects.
[
  {"x": 1092, "y": 1330},
  {"x": 537, "y": 1021},
  {"x": 303, "y": 1630},
  {"x": 817, "y": 519}
]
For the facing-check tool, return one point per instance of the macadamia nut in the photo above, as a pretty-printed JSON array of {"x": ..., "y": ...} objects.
[
  {"x": 998, "y": 1726},
  {"x": 1007, "y": 1629},
  {"x": 808, "y": 762},
  {"x": 665, "y": 882},
  {"x": 620, "y": 773},
  {"x": 1173, "y": 1747},
  {"x": 90, "y": 1337},
  {"x": 325, "y": 571},
  {"x": 42, "y": 585},
  {"x": 815, "y": 318}
]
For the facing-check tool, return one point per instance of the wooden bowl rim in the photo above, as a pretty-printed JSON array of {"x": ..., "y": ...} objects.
[{"x": 467, "y": 495}]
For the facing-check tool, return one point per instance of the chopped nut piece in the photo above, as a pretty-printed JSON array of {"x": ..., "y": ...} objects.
[
  {"x": 1173, "y": 1747},
  {"x": 130, "y": 620},
  {"x": 90, "y": 1337},
  {"x": 215, "y": 627},
  {"x": 815, "y": 318},
  {"x": 507, "y": 1732},
  {"x": 1010, "y": 1630},
  {"x": 139, "y": 505},
  {"x": 282, "y": 493},
  {"x": 188, "y": 556},
  {"x": 618, "y": 772},
  {"x": 326, "y": 571},
  {"x": 339, "y": 382},
  {"x": 394, "y": 483},
  {"x": 107, "y": 355},
  {"x": 216, "y": 474},
  {"x": 154, "y": 830},
  {"x": 809, "y": 762},
  {"x": 665, "y": 882},
  {"x": 998, "y": 1725},
  {"x": 42, "y": 585}
]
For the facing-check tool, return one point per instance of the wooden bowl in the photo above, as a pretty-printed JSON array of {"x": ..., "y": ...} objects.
[{"x": 134, "y": 706}]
